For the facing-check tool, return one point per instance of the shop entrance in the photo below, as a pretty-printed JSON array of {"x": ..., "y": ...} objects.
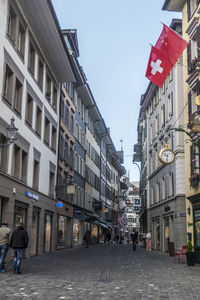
[
  {"x": 157, "y": 229},
  {"x": 197, "y": 234},
  {"x": 47, "y": 232},
  {"x": 166, "y": 234},
  {"x": 62, "y": 232},
  {"x": 35, "y": 232},
  {"x": 77, "y": 232}
]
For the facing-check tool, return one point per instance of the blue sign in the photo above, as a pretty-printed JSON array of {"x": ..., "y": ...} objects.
[
  {"x": 31, "y": 195},
  {"x": 59, "y": 204},
  {"x": 137, "y": 201}
]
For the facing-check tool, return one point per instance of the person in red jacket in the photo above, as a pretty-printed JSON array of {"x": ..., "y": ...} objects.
[{"x": 19, "y": 241}]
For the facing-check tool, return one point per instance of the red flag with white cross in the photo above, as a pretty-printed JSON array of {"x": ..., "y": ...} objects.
[
  {"x": 164, "y": 55},
  {"x": 158, "y": 67}
]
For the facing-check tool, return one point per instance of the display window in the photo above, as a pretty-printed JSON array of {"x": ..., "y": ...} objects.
[
  {"x": 62, "y": 232},
  {"x": 166, "y": 234},
  {"x": 157, "y": 223},
  {"x": 20, "y": 214},
  {"x": 94, "y": 233},
  {"x": 35, "y": 233},
  {"x": 47, "y": 232},
  {"x": 77, "y": 236}
]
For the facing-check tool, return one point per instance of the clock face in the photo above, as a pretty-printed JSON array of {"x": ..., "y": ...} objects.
[{"x": 166, "y": 156}]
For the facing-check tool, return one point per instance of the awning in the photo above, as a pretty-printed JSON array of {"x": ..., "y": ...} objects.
[{"x": 103, "y": 225}]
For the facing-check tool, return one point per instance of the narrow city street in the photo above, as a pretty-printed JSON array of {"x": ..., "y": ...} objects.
[{"x": 101, "y": 272}]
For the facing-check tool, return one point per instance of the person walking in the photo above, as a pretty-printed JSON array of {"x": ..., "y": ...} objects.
[
  {"x": 108, "y": 237},
  {"x": 5, "y": 234},
  {"x": 134, "y": 237},
  {"x": 148, "y": 241},
  {"x": 87, "y": 238},
  {"x": 117, "y": 238},
  {"x": 18, "y": 241}
]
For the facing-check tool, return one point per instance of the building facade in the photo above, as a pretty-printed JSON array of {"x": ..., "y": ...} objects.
[{"x": 165, "y": 190}]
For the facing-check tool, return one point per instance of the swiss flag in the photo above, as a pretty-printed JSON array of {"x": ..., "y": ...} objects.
[
  {"x": 164, "y": 55},
  {"x": 158, "y": 67}
]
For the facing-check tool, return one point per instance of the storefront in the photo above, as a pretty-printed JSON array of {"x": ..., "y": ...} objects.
[
  {"x": 157, "y": 234},
  {"x": 47, "y": 231},
  {"x": 20, "y": 214},
  {"x": 166, "y": 234},
  {"x": 64, "y": 225},
  {"x": 78, "y": 226},
  {"x": 197, "y": 234},
  {"x": 35, "y": 231}
]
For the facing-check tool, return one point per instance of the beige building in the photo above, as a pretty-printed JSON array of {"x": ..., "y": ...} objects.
[{"x": 191, "y": 32}]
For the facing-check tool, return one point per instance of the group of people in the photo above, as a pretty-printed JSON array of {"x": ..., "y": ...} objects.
[
  {"x": 18, "y": 240},
  {"x": 147, "y": 239}
]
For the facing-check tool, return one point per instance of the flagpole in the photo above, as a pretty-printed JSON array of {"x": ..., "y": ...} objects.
[{"x": 174, "y": 32}]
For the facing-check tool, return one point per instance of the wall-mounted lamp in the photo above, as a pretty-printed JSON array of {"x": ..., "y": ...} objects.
[
  {"x": 12, "y": 132},
  {"x": 188, "y": 210}
]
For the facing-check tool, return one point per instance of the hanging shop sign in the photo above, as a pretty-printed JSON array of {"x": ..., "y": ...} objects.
[
  {"x": 70, "y": 189},
  {"x": 59, "y": 204},
  {"x": 31, "y": 195}
]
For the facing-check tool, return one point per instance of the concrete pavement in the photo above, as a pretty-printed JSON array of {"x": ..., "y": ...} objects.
[{"x": 101, "y": 272}]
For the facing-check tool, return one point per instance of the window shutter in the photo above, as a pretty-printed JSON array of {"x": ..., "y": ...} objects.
[
  {"x": 189, "y": 105},
  {"x": 189, "y": 58},
  {"x": 198, "y": 41},
  {"x": 188, "y": 10},
  {"x": 192, "y": 160}
]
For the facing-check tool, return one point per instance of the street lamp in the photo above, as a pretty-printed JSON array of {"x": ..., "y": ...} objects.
[{"x": 11, "y": 132}]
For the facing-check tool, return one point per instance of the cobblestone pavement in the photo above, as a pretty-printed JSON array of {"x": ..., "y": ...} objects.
[{"x": 101, "y": 272}]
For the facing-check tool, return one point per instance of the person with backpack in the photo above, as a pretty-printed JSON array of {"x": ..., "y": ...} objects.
[
  {"x": 19, "y": 241},
  {"x": 134, "y": 237}
]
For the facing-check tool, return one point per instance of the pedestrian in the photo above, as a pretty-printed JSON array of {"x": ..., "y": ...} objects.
[
  {"x": 87, "y": 238},
  {"x": 117, "y": 238},
  {"x": 134, "y": 237},
  {"x": 5, "y": 234},
  {"x": 19, "y": 241},
  {"x": 108, "y": 237},
  {"x": 148, "y": 241}
]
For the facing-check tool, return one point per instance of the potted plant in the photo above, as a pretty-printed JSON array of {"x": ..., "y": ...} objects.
[{"x": 190, "y": 254}]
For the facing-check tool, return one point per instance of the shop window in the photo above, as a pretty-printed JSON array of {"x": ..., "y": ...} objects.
[
  {"x": 12, "y": 24},
  {"x": 47, "y": 233},
  {"x": 21, "y": 40},
  {"x": 47, "y": 131},
  {"x": 40, "y": 73},
  {"x": 8, "y": 85},
  {"x": 3, "y": 154},
  {"x": 17, "y": 161},
  {"x": 61, "y": 234},
  {"x": 24, "y": 166},
  {"x": 51, "y": 183},
  {"x": 18, "y": 96},
  {"x": 31, "y": 62},
  {"x": 29, "y": 110},
  {"x": 38, "y": 121},
  {"x": 36, "y": 167},
  {"x": 20, "y": 214}
]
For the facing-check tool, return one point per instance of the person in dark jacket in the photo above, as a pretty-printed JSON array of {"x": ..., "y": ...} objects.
[
  {"x": 134, "y": 237},
  {"x": 19, "y": 241}
]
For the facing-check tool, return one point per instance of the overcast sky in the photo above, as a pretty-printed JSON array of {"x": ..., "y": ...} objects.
[{"x": 114, "y": 42}]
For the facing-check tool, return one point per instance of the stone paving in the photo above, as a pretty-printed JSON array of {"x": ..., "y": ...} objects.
[{"x": 101, "y": 272}]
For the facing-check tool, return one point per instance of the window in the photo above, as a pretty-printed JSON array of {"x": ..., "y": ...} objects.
[
  {"x": 46, "y": 131},
  {"x": 51, "y": 183},
  {"x": 48, "y": 87},
  {"x": 29, "y": 110},
  {"x": 18, "y": 96},
  {"x": 191, "y": 7},
  {"x": 16, "y": 162},
  {"x": 55, "y": 98},
  {"x": 53, "y": 138},
  {"x": 38, "y": 121},
  {"x": 40, "y": 73},
  {"x": 35, "y": 174},
  {"x": 163, "y": 188},
  {"x": 21, "y": 40},
  {"x": 24, "y": 166},
  {"x": 12, "y": 24},
  {"x": 31, "y": 63},
  {"x": 171, "y": 184},
  {"x": 3, "y": 154},
  {"x": 8, "y": 85}
]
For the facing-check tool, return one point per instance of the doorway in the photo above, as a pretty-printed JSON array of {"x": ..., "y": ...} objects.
[
  {"x": 197, "y": 234},
  {"x": 35, "y": 232}
]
